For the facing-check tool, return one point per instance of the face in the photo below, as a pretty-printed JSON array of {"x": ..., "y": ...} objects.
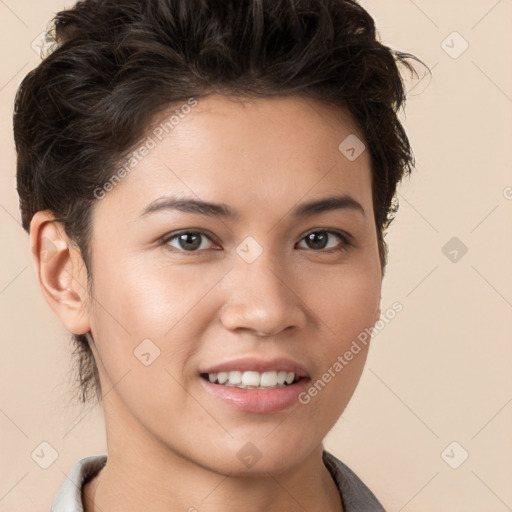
[{"x": 266, "y": 277}]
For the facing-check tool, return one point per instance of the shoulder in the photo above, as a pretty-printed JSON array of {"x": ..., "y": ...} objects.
[
  {"x": 355, "y": 495},
  {"x": 69, "y": 496}
]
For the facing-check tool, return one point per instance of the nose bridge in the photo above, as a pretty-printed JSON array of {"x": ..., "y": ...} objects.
[{"x": 259, "y": 297}]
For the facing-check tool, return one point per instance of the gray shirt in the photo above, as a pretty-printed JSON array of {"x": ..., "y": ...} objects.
[{"x": 355, "y": 496}]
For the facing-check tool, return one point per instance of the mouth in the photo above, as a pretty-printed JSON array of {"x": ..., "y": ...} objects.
[
  {"x": 252, "y": 379},
  {"x": 255, "y": 385}
]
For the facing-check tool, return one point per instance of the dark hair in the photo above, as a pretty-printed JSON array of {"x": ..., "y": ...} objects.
[{"x": 119, "y": 63}]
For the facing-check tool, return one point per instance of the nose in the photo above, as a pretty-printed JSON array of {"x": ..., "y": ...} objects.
[{"x": 262, "y": 300}]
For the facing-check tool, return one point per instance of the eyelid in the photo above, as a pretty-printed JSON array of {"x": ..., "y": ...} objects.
[
  {"x": 342, "y": 234},
  {"x": 173, "y": 234},
  {"x": 346, "y": 238}
]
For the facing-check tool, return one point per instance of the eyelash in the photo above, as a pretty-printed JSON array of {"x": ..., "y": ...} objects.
[{"x": 345, "y": 239}]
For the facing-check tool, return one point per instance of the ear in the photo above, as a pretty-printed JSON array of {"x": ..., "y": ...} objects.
[{"x": 61, "y": 272}]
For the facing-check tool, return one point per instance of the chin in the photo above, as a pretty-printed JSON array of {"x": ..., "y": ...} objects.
[{"x": 260, "y": 457}]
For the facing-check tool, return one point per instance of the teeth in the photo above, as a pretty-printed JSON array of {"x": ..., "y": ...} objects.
[
  {"x": 251, "y": 379},
  {"x": 281, "y": 377},
  {"x": 269, "y": 379},
  {"x": 235, "y": 377}
]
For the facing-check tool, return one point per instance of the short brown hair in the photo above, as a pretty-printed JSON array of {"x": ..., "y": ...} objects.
[{"x": 118, "y": 63}]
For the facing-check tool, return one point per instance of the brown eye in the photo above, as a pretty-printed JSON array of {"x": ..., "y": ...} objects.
[
  {"x": 323, "y": 239},
  {"x": 189, "y": 241}
]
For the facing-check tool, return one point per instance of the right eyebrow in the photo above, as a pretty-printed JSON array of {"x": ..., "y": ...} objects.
[{"x": 189, "y": 206}]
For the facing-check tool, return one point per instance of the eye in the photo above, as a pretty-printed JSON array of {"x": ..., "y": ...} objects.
[
  {"x": 326, "y": 240},
  {"x": 189, "y": 241}
]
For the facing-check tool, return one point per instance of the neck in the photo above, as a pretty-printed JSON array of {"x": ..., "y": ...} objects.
[
  {"x": 131, "y": 481},
  {"x": 143, "y": 473}
]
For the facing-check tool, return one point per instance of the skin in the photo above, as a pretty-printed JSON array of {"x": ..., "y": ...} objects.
[{"x": 171, "y": 445}]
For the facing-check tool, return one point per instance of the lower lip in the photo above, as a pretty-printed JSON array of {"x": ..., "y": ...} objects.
[{"x": 258, "y": 400}]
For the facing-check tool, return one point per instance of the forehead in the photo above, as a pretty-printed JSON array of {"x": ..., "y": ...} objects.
[{"x": 263, "y": 153}]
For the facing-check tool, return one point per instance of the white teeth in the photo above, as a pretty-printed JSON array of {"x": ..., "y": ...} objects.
[
  {"x": 251, "y": 379},
  {"x": 269, "y": 379},
  {"x": 235, "y": 377}
]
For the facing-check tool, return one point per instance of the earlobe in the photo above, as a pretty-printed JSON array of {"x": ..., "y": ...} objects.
[{"x": 60, "y": 270}]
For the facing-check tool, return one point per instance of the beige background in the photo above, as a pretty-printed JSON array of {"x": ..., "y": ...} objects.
[{"x": 438, "y": 373}]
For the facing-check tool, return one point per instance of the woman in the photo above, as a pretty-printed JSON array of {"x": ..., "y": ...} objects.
[{"x": 207, "y": 187}]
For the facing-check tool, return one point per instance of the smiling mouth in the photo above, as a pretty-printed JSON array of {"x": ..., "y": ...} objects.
[{"x": 253, "y": 380}]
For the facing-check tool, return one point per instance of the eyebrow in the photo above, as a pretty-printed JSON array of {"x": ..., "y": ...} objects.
[{"x": 200, "y": 207}]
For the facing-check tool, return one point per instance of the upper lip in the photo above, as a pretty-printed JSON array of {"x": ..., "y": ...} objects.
[{"x": 258, "y": 365}]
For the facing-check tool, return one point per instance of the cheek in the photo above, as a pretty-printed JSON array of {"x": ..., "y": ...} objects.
[
  {"x": 145, "y": 297},
  {"x": 345, "y": 304},
  {"x": 135, "y": 303},
  {"x": 151, "y": 323},
  {"x": 346, "y": 300}
]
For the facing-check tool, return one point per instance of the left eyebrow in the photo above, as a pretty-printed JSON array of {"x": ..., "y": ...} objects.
[{"x": 327, "y": 204}]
